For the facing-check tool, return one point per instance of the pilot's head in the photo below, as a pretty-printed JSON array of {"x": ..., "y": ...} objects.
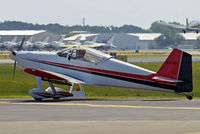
[{"x": 81, "y": 53}]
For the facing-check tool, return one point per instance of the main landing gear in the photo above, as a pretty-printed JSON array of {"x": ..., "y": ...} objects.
[
  {"x": 54, "y": 92},
  {"x": 189, "y": 96}
]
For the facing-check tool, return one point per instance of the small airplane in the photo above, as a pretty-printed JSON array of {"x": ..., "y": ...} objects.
[
  {"x": 81, "y": 65},
  {"x": 55, "y": 44},
  {"x": 192, "y": 26},
  {"x": 12, "y": 43},
  {"x": 93, "y": 44},
  {"x": 75, "y": 42},
  {"x": 40, "y": 44},
  {"x": 28, "y": 43}
]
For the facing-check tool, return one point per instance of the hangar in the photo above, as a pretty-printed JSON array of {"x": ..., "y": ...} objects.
[{"x": 6, "y": 35}]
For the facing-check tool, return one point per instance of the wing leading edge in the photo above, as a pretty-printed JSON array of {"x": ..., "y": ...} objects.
[{"x": 52, "y": 75}]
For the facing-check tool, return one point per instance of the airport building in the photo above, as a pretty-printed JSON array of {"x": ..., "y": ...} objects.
[
  {"x": 137, "y": 41},
  {"x": 7, "y": 35}
]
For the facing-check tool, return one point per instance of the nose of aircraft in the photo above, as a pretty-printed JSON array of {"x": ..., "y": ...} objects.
[{"x": 12, "y": 56}]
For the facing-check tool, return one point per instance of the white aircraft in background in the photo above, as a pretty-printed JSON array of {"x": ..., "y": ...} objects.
[
  {"x": 41, "y": 44},
  {"x": 108, "y": 44},
  {"x": 28, "y": 43},
  {"x": 12, "y": 43},
  {"x": 93, "y": 44},
  {"x": 89, "y": 66},
  {"x": 55, "y": 44},
  {"x": 192, "y": 26},
  {"x": 75, "y": 42}
]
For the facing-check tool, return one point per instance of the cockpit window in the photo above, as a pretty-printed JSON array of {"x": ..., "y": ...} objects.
[
  {"x": 83, "y": 54},
  {"x": 92, "y": 57},
  {"x": 74, "y": 54}
]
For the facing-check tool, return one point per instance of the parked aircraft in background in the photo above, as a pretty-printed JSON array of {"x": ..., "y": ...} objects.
[
  {"x": 41, "y": 44},
  {"x": 89, "y": 66},
  {"x": 91, "y": 42},
  {"x": 12, "y": 43},
  {"x": 100, "y": 46},
  {"x": 75, "y": 42},
  {"x": 55, "y": 45},
  {"x": 28, "y": 43},
  {"x": 192, "y": 26}
]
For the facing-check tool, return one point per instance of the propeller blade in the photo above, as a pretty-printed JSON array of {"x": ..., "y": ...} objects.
[
  {"x": 14, "y": 70},
  {"x": 12, "y": 51},
  {"x": 22, "y": 43}
]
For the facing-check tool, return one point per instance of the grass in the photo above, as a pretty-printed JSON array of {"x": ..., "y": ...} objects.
[
  {"x": 20, "y": 86},
  {"x": 4, "y": 57}
]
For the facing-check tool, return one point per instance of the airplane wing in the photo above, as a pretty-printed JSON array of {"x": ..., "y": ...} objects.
[
  {"x": 91, "y": 46},
  {"x": 194, "y": 29},
  {"x": 52, "y": 75},
  {"x": 172, "y": 25}
]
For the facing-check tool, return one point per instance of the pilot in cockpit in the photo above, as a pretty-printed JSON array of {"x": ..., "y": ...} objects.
[{"x": 80, "y": 54}]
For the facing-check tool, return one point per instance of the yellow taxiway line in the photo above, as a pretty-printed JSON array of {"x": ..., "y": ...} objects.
[{"x": 102, "y": 106}]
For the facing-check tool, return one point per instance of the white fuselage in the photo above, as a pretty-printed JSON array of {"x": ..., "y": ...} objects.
[{"x": 90, "y": 73}]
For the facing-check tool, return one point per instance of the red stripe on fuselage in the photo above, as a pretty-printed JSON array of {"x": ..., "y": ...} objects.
[
  {"x": 41, "y": 74},
  {"x": 135, "y": 76}
]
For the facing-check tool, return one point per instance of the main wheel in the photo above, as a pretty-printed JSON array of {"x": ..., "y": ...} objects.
[
  {"x": 37, "y": 99},
  {"x": 189, "y": 97}
]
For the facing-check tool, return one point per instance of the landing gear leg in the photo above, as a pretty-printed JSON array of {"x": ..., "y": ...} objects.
[
  {"x": 39, "y": 89},
  {"x": 53, "y": 90},
  {"x": 71, "y": 88},
  {"x": 39, "y": 82},
  {"x": 79, "y": 93}
]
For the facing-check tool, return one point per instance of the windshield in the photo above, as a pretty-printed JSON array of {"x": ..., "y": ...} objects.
[{"x": 84, "y": 54}]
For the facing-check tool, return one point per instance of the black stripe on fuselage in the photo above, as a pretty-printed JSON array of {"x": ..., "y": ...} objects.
[{"x": 138, "y": 81}]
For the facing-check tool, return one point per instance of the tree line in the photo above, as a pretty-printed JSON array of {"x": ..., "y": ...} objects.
[
  {"x": 168, "y": 37},
  {"x": 61, "y": 29}
]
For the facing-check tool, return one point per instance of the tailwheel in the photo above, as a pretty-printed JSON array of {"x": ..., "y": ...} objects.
[{"x": 189, "y": 96}]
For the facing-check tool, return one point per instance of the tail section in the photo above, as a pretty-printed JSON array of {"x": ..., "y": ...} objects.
[
  {"x": 14, "y": 39},
  {"x": 109, "y": 40},
  {"x": 30, "y": 39},
  {"x": 60, "y": 39},
  {"x": 178, "y": 66},
  {"x": 77, "y": 39},
  {"x": 94, "y": 39},
  {"x": 45, "y": 39}
]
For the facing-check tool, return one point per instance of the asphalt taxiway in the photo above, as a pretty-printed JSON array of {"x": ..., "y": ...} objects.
[{"x": 113, "y": 116}]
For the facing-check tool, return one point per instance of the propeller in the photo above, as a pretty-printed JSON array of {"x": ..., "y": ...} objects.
[
  {"x": 14, "y": 53},
  {"x": 21, "y": 45}
]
